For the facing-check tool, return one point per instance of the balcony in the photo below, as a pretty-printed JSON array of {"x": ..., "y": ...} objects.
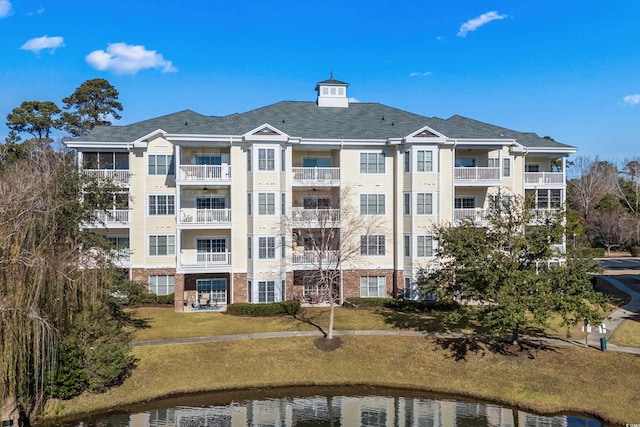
[
  {"x": 117, "y": 176},
  {"x": 313, "y": 259},
  {"x": 209, "y": 261},
  {"x": 316, "y": 177},
  {"x": 205, "y": 217},
  {"x": 112, "y": 218},
  {"x": 540, "y": 216},
  {"x": 477, "y": 215},
  {"x": 477, "y": 175},
  {"x": 204, "y": 173},
  {"x": 543, "y": 178},
  {"x": 315, "y": 217}
]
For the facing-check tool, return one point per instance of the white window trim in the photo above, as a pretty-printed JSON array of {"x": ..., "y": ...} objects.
[
  {"x": 159, "y": 194},
  {"x": 386, "y": 245},
  {"x": 384, "y": 156},
  {"x": 384, "y": 195},
  {"x": 433, "y": 204},
  {"x": 148, "y": 243}
]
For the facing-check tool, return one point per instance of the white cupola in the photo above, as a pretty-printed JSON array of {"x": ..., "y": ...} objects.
[{"x": 332, "y": 93}]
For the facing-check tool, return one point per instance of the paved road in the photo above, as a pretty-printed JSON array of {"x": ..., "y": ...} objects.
[{"x": 625, "y": 263}]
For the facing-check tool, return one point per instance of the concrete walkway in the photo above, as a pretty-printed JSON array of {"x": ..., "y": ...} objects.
[{"x": 625, "y": 312}]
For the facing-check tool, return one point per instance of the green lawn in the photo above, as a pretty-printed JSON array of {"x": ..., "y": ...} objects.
[{"x": 554, "y": 379}]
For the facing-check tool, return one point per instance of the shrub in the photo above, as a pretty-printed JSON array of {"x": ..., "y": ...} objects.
[
  {"x": 590, "y": 252},
  {"x": 370, "y": 302},
  {"x": 70, "y": 378},
  {"x": 291, "y": 308}
]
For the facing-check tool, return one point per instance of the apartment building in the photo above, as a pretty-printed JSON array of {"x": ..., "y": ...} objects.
[{"x": 222, "y": 209}]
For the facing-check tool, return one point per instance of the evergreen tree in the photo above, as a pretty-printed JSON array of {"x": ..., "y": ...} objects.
[{"x": 94, "y": 103}]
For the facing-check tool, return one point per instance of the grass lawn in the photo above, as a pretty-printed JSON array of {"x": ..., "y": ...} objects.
[
  {"x": 627, "y": 334},
  {"x": 550, "y": 380}
]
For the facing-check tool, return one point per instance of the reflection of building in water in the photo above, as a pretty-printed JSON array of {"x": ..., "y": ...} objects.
[{"x": 344, "y": 411}]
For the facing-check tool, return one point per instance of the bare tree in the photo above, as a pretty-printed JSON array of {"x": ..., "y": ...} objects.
[
  {"x": 326, "y": 239},
  {"x": 610, "y": 228},
  {"x": 627, "y": 189},
  {"x": 590, "y": 180}
]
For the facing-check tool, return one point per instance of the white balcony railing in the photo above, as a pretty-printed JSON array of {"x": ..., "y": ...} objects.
[
  {"x": 204, "y": 173},
  {"x": 541, "y": 215},
  {"x": 118, "y": 176},
  {"x": 328, "y": 258},
  {"x": 316, "y": 176},
  {"x": 209, "y": 260},
  {"x": 303, "y": 216},
  {"x": 474, "y": 174},
  {"x": 477, "y": 215},
  {"x": 113, "y": 217},
  {"x": 543, "y": 178},
  {"x": 205, "y": 216}
]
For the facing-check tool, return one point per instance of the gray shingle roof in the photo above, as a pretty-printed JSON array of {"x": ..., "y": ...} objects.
[{"x": 307, "y": 120}]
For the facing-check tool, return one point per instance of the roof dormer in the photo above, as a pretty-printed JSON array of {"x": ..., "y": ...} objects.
[{"x": 332, "y": 93}]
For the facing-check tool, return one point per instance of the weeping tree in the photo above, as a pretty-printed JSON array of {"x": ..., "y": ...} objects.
[{"x": 52, "y": 273}]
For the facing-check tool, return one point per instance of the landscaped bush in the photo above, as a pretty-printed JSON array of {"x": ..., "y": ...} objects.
[
  {"x": 422, "y": 306},
  {"x": 369, "y": 302},
  {"x": 402, "y": 305},
  {"x": 291, "y": 308},
  {"x": 591, "y": 252}
]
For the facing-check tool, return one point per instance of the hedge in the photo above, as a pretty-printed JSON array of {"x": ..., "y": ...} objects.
[
  {"x": 291, "y": 308},
  {"x": 402, "y": 305}
]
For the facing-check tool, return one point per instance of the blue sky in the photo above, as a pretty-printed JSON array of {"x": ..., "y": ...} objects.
[{"x": 567, "y": 69}]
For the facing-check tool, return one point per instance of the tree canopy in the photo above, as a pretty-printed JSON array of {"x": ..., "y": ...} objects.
[
  {"x": 37, "y": 118},
  {"x": 94, "y": 103},
  {"x": 507, "y": 275}
]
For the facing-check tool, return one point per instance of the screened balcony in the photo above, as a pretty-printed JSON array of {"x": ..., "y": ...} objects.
[{"x": 106, "y": 166}]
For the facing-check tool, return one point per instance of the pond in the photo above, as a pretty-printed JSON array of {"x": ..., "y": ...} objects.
[{"x": 318, "y": 406}]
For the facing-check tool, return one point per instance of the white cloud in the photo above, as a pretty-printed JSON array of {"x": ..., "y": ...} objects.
[
  {"x": 632, "y": 99},
  {"x": 5, "y": 8},
  {"x": 40, "y": 43},
  {"x": 420, "y": 74},
  {"x": 128, "y": 59},
  {"x": 475, "y": 23},
  {"x": 40, "y": 11}
]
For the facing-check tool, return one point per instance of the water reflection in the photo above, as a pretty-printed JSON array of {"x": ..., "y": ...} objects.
[{"x": 326, "y": 410}]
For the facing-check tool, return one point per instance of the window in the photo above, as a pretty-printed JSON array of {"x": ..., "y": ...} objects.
[
  {"x": 161, "y": 284},
  {"x": 266, "y": 291},
  {"x": 373, "y": 286},
  {"x": 506, "y": 167},
  {"x": 407, "y": 246},
  {"x": 162, "y": 205},
  {"x": 316, "y": 162},
  {"x": 249, "y": 247},
  {"x": 266, "y": 159},
  {"x": 105, "y": 160},
  {"x": 407, "y": 204},
  {"x": 372, "y": 204},
  {"x": 283, "y": 204},
  {"x": 211, "y": 245},
  {"x": 407, "y": 161},
  {"x": 120, "y": 242},
  {"x": 266, "y": 247},
  {"x": 266, "y": 204},
  {"x": 556, "y": 198},
  {"x": 464, "y": 202},
  {"x": 248, "y": 160},
  {"x": 532, "y": 167},
  {"x": 283, "y": 157},
  {"x": 283, "y": 248},
  {"x": 465, "y": 162},
  {"x": 249, "y": 291},
  {"x": 373, "y": 244},
  {"x": 493, "y": 162},
  {"x": 212, "y": 290},
  {"x": 208, "y": 159},
  {"x": 424, "y": 204},
  {"x": 162, "y": 245},
  {"x": 410, "y": 289},
  {"x": 425, "y": 246},
  {"x": 249, "y": 204},
  {"x": 371, "y": 162},
  {"x": 425, "y": 161},
  {"x": 160, "y": 164}
]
